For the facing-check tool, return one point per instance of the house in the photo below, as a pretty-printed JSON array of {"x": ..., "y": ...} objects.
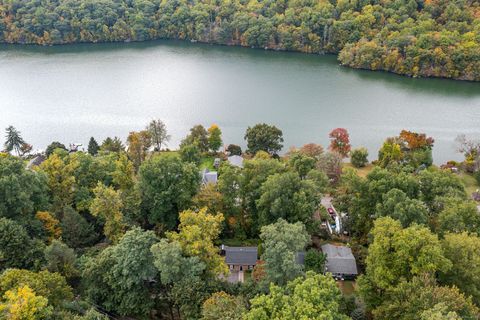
[
  {"x": 340, "y": 262},
  {"x": 35, "y": 162},
  {"x": 236, "y": 161},
  {"x": 209, "y": 177},
  {"x": 239, "y": 259}
]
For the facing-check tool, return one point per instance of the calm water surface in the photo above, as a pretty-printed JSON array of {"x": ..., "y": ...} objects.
[{"x": 70, "y": 93}]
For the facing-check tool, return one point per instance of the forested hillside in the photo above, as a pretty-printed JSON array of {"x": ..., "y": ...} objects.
[{"x": 431, "y": 38}]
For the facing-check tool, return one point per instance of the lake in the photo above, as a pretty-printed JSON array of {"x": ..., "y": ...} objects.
[{"x": 69, "y": 93}]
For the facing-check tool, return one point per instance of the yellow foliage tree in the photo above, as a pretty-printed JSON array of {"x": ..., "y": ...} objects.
[
  {"x": 23, "y": 304},
  {"x": 197, "y": 233},
  {"x": 61, "y": 180},
  {"x": 108, "y": 205}
]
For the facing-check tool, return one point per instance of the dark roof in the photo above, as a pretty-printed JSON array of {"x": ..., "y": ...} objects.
[
  {"x": 300, "y": 257},
  {"x": 340, "y": 260},
  {"x": 38, "y": 160},
  {"x": 246, "y": 256}
]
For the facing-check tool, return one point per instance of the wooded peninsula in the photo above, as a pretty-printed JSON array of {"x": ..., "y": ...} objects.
[{"x": 422, "y": 38}]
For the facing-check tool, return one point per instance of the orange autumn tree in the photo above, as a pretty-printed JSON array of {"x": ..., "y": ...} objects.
[
  {"x": 414, "y": 140},
  {"x": 50, "y": 224}
]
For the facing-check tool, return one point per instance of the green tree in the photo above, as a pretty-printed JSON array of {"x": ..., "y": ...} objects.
[
  {"x": 13, "y": 140},
  {"x": 314, "y": 296},
  {"x": 264, "y": 137},
  {"x": 301, "y": 163},
  {"x": 412, "y": 299},
  {"x": 198, "y": 136},
  {"x": 359, "y": 157},
  {"x": 439, "y": 312},
  {"x": 463, "y": 250},
  {"x": 159, "y": 134},
  {"x": 398, "y": 254},
  {"x": 112, "y": 145},
  {"x": 167, "y": 186},
  {"x": 17, "y": 249},
  {"x": 397, "y": 205},
  {"x": 121, "y": 278},
  {"x": 61, "y": 259},
  {"x": 281, "y": 242},
  {"x": 22, "y": 192},
  {"x": 288, "y": 197},
  {"x": 172, "y": 264},
  {"x": 93, "y": 146},
  {"x": 315, "y": 261},
  {"x": 459, "y": 215},
  {"x": 54, "y": 146},
  {"x": 190, "y": 153},
  {"x": 222, "y": 306},
  {"x": 77, "y": 232},
  {"x": 214, "y": 137},
  {"x": 234, "y": 150}
]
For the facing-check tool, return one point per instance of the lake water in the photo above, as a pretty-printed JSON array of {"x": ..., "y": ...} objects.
[{"x": 70, "y": 93}]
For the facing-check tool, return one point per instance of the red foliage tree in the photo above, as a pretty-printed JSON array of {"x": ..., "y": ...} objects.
[{"x": 340, "y": 141}]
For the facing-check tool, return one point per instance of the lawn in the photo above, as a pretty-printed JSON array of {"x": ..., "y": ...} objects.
[
  {"x": 470, "y": 182},
  {"x": 206, "y": 162},
  {"x": 362, "y": 172}
]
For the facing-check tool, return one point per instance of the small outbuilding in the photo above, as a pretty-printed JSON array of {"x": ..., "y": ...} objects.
[{"x": 340, "y": 262}]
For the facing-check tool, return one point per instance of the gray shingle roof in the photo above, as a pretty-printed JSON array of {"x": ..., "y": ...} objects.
[
  {"x": 340, "y": 260},
  {"x": 236, "y": 161},
  {"x": 246, "y": 256},
  {"x": 36, "y": 161},
  {"x": 209, "y": 177},
  {"x": 300, "y": 257}
]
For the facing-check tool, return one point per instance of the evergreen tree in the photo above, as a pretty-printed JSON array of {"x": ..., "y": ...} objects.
[{"x": 93, "y": 146}]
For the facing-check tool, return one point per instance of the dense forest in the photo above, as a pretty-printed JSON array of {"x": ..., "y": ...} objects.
[
  {"x": 429, "y": 38},
  {"x": 131, "y": 230}
]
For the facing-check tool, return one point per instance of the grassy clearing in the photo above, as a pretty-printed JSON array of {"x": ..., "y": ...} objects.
[
  {"x": 470, "y": 182},
  {"x": 207, "y": 163},
  {"x": 362, "y": 172}
]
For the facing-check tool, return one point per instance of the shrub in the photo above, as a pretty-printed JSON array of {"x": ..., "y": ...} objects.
[{"x": 359, "y": 157}]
